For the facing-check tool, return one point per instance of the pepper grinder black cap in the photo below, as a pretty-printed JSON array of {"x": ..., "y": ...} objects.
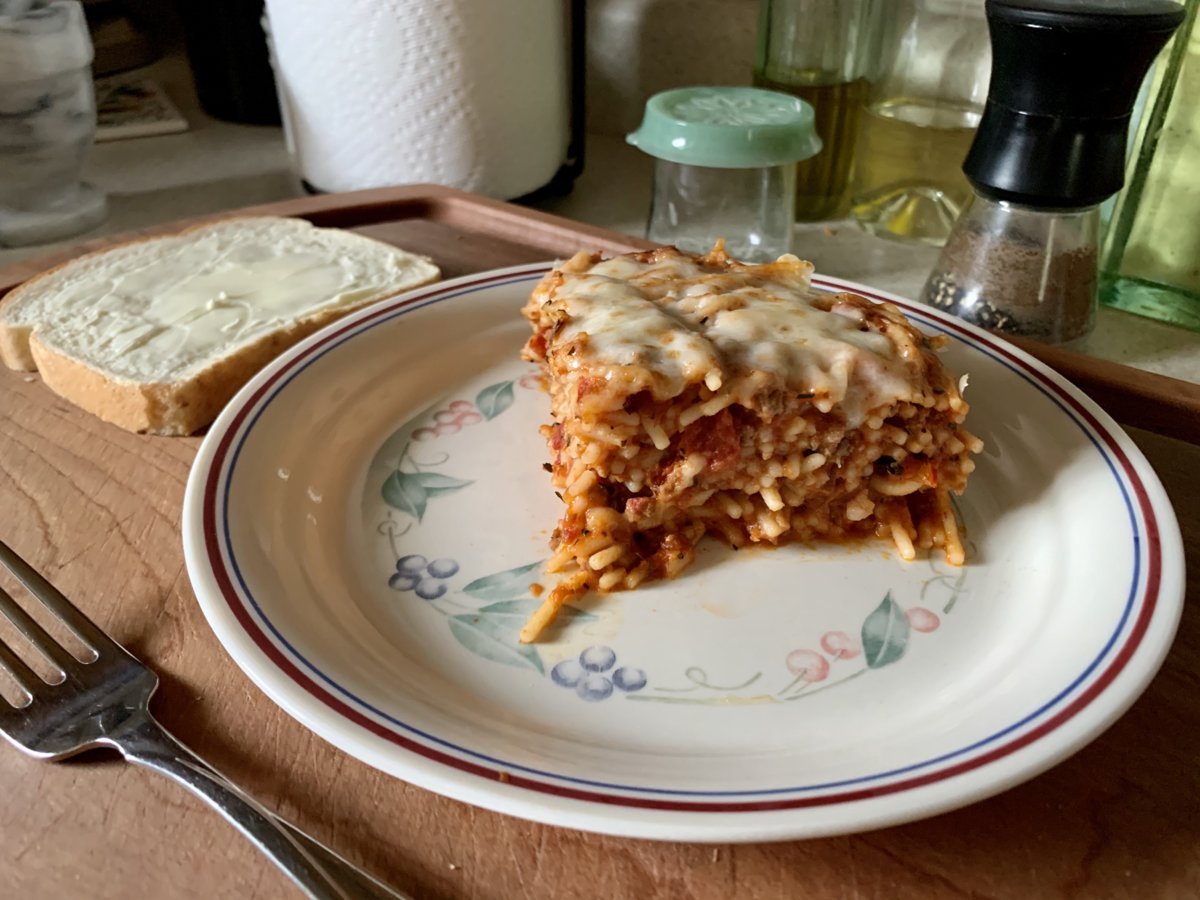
[{"x": 1065, "y": 74}]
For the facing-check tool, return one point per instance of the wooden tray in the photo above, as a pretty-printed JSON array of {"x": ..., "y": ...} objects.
[
  {"x": 466, "y": 233},
  {"x": 98, "y": 510}
]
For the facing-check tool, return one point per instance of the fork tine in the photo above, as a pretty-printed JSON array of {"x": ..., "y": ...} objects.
[
  {"x": 50, "y": 596},
  {"x": 41, "y": 639},
  {"x": 27, "y": 679}
]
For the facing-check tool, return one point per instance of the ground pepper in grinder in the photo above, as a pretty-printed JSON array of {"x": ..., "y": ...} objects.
[{"x": 1050, "y": 148}]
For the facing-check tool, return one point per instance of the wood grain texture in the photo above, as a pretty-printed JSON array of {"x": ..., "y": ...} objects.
[
  {"x": 1146, "y": 400},
  {"x": 98, "y": 510}
]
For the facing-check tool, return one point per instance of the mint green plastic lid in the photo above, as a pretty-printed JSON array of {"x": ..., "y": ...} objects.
[{"x": 727, "y": 128}]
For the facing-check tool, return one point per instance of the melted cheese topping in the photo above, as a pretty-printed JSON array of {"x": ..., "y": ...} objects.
[
  {"x": 625, "y": 328},
  {"x": 685, "y": 324}
]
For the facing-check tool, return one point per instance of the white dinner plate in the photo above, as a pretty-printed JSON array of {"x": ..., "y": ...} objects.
[{"x": 364, "y": 522}]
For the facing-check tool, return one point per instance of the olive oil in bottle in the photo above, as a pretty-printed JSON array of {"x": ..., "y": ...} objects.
[
  {"x": 822, "y": 51},
  {"x": 822, "y": 182},
  {"x": 908, "y": 180}
]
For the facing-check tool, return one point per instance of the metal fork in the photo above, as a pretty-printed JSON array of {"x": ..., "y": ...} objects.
[{"x": 104, "y": 702}]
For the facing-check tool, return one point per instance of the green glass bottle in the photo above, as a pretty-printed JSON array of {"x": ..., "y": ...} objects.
[{"x": 1150, "y": 260}]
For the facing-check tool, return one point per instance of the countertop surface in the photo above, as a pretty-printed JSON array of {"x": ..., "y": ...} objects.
[
  {"x": 98, "y": 510},
  {"x": 215, "y": 166}
]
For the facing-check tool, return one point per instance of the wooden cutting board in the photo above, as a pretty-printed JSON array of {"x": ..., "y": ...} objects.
[{"x": 98, "y": 510}]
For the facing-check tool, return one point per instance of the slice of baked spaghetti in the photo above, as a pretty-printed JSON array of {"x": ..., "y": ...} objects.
[{"x": 697, "y": 395}]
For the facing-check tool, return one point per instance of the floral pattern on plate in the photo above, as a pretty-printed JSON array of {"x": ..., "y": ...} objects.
[
  {"x": 1062, "y": 627},
  {"x": 489, "y": 630},
  {"x": 485, "y": 615}
]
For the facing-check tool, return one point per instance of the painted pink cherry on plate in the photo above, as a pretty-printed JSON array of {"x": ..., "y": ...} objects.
[
  {"x": 532, "y": 381},
  {"x": 424, "y": 434},
  {"x": 449, "y": 428},
  {"x": 922, "y": 619},
  {"x": 459, "y": 406},
  {"x": 442, "y": 416},
  {"x": 470, "y": 417},
  {"x": 840, "y": 645},
  {"x": 808, "y": 664}
]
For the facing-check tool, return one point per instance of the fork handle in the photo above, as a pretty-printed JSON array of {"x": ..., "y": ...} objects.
[{"x": 311, "y": 865}]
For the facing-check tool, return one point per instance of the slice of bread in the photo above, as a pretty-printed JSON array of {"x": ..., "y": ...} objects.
[{"x": 157, "y": 335}]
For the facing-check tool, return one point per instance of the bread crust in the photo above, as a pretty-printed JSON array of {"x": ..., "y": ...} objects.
[
  {"x": 175, "y": 408},
  {"x": 14, "y": 347},
  {"x": 167, "y": 408}
]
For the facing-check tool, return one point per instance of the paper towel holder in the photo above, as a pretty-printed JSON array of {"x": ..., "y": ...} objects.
[
  {"x": 572, "y": 166},
  {"x": 559, "y": 163}
]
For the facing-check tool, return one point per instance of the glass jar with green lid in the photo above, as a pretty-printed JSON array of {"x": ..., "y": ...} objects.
[{"x": 725, "y": 168}]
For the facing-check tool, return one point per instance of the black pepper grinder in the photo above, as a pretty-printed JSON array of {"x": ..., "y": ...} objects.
[{"x": 1049, "y": 149}]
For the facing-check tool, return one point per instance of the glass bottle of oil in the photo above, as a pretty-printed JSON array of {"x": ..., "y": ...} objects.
[
  {"x": 1150, "y": 259},
  {"x": 821, "y": 51},
  {"x": 920, "y": 118}
]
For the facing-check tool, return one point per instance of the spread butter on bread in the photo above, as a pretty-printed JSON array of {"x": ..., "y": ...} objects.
[{"x": 157, "y": 335}]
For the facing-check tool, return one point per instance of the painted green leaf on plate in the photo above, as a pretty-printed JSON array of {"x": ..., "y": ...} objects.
[
  {"x": 435, "y": 484},
  {"x": 515, "y": 613},
  {"x": 493, "y": 639},
  {"x": 410, "y": 491},
  {"x": 495, "y": 399},
  {"x": 404, "y": 491},
  {"x": 885, "y": 633},
  {"x": 507, "y": 585}
]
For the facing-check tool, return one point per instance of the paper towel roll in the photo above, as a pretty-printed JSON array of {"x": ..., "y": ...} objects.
[{"x": 467, "y": 93}]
